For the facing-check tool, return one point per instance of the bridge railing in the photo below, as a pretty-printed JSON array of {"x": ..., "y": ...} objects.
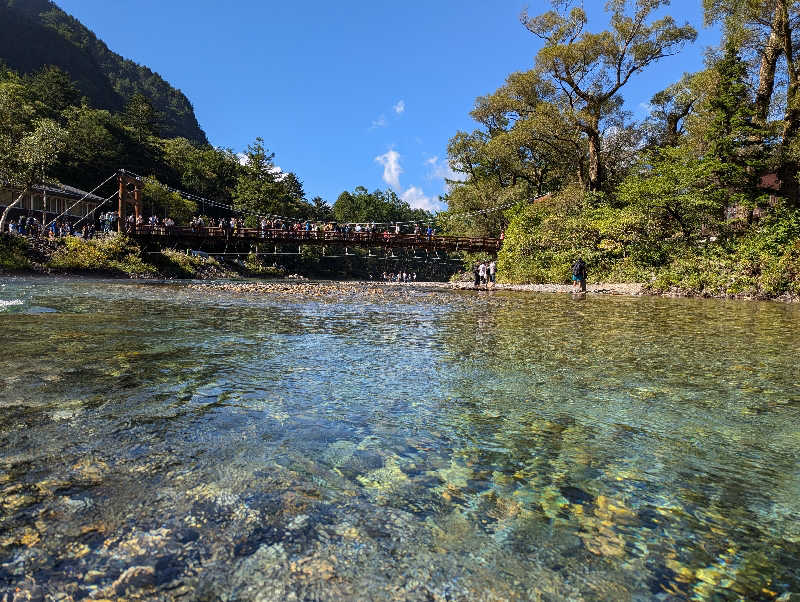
[{"x": 321, "y": 237}]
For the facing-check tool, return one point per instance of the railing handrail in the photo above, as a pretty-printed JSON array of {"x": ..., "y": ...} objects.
[{"x": 316, "y": 235}]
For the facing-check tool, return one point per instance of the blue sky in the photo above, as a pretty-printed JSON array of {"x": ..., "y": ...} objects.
[{"x": 352, "y": 92}]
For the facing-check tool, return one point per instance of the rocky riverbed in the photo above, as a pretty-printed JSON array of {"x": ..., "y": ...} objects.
[{"x": 341, "y": 291}]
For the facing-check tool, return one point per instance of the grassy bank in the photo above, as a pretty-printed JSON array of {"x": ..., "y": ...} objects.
[{"x": 116, "y": 256}]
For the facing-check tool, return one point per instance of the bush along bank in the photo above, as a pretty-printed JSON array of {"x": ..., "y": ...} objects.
[
  {"x": 115, "y": 256},
  {"x": 620, "y": 244}
]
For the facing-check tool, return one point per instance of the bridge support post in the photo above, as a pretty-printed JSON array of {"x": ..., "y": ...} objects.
[
  {"x": 130, "y": 191},
  {"x": 121, "y": 208}
]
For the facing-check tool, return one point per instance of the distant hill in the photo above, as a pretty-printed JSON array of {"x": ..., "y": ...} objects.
[{"x": 35, "y": 33}]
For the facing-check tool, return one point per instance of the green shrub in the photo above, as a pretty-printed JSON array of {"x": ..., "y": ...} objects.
[
  {"x": 256, "y": 267},
  {"x": 111, "y": 253},
  {"x": 14, "y": 251},
  {"x": 177, "y": 264}
]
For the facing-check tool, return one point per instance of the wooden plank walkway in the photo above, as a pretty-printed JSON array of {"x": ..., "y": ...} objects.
[{"x": 187, "y": 234}]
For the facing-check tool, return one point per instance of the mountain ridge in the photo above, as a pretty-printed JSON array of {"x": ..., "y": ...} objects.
[{"x": 37, "y": 33}]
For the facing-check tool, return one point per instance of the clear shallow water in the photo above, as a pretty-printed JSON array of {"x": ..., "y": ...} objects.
[{"x": 160, "y": 441}]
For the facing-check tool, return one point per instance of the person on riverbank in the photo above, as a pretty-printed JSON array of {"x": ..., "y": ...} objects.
[
  {"x": 579, "y": 275},
  {"x": 492, "y": 271},
  {"x": 476, "y": 271}
]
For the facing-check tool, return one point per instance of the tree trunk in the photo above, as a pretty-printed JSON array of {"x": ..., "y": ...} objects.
[
  {"x": 596, "y": 175},
  {"x": 791, "y": 124},
  {"x": 671, "y": 137},
  {"x": 9, "y": 208},
  {"x": 769, "y": 59}
]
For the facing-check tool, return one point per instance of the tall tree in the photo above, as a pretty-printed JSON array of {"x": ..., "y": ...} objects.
[
  {"x": 141, "y": 117},
  {"x": 204, "y": 170},
  {"x": 28, "y": 148},
  {"x": 735, "y": 138},
  {"x": 53, "y": 91},
  {"x": 589, "y": 69},
  {"x": 669, "y": 109},
  {"x": 758, "y": 28},
  {"x": 768, "y": 31},
  {"x": 160, "y": 199},
  {"x": 675, "y": 192},
  {"x": 320, "y": 210},
  {"x": 258, "y": 190}
]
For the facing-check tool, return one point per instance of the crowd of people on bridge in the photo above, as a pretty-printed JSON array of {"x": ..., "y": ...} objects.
[
  {"x": 109, "y": 222},
  {"x": 312, "y": 229},
  {"x": 31, "y": 227}
]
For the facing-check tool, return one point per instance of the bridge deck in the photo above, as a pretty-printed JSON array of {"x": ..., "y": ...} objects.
[{"x": 352, "y": 239}]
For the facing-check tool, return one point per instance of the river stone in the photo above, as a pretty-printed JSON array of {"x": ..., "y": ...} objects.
[
  {"x": 135, "y": 577},
  {"x": 261, "y": 576}
]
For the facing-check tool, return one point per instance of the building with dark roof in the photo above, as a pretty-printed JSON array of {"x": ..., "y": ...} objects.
[{"x": 50, "y": 200}]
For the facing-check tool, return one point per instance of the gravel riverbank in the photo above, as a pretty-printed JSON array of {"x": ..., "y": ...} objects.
[{"x": 353, "y": 289}]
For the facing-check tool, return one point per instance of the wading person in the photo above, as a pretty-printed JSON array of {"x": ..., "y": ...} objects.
[
  {"x": 482, "y": 272},
  {"x": 579, "y": 275}
]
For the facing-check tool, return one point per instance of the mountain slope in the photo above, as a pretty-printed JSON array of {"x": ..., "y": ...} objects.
[{"x": 35, "y": 33}]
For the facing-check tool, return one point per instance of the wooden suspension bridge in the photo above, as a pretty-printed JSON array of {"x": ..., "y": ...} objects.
[{"x": 212, "y": 238}]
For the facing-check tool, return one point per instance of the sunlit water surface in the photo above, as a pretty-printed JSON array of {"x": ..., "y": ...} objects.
[{"x": 159, "y": 441}]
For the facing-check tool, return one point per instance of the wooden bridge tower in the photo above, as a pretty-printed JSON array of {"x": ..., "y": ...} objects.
[{"x": 130, "y": 193}]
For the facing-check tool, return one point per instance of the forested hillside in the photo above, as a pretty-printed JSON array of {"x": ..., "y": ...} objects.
[{"x": 36, "y": 33}]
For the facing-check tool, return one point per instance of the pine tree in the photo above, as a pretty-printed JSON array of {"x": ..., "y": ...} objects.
[{"x": 735, "y": 139}]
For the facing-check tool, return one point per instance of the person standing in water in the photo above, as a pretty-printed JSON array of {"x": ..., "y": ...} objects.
[{"x": 579, "y": 275}]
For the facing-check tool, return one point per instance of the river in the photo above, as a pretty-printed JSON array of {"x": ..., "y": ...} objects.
[{"x": 164, "y": 441}]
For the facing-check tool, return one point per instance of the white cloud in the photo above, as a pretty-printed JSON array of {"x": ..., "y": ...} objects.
[
  {"x": 391, "y": 167},
  {"x": 440, "y": 169},
  {"x": 400, "y": 107},
  {"x": 379, "y": 122},
  {"x": 275, "y": 169},
  {"x": 417, "y": 199}
]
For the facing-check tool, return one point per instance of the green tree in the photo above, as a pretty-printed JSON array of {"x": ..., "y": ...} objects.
[
  {"x": 93, "y": 151},
  {"x": 381, "y": 207},
  {"x": 766, "y": 33},
  {"x": 203, "y": 170},
  {"x": 735, "y": 138},
  {"x": 670, "y": 108},
  {"x": 28, "y": 147},
  {"x": 675, "y": 192},
  {"x": 258, "y": 190},
  {"x": 141, "y": 117},
  {"x": 163, "y": 201},
  {"x": 320, "y": 210},
  {"x": 589, "y": 69},
  {"x": 758, "y": 28},
  {"x": 52, "y": 90}
]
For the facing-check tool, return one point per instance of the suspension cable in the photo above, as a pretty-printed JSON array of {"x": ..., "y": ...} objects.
[
  {"x": 78, "y": 201},
  {"x": 116, "y": 193},
  {"x": 233, "y": 209}
]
